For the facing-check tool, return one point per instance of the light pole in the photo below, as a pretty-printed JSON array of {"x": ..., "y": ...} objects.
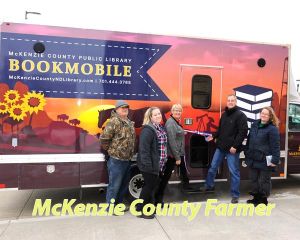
[{"x": 26, "y": 13}]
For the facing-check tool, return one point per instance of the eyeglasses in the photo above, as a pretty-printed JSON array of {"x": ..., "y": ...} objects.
[{"x": 265, "y": 114}]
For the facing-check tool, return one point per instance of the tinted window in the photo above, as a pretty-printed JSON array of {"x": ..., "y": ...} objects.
[{"x": 201, "y": 91}]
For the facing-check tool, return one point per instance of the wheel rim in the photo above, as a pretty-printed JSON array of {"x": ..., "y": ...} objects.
[{"x": 136, "y": 185}]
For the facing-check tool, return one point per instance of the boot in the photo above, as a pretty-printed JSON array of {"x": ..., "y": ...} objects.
[
  {"x": 264, "y": 200},
  {"x": 255, "y": 200},
  {"x": 147, "y": 216}
]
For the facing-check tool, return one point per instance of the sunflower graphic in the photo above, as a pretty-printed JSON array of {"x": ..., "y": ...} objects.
[
  {"x": 34, "y": 101},
  {"x": 3, "y": 108},
  {"x": 11, "y": 96},
  {"x": 17, "y": 112}
]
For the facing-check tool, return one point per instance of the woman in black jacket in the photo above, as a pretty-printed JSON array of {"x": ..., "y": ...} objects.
[
  {"x": 263, "y": 154},
  {"x": 152, "y": 155}
]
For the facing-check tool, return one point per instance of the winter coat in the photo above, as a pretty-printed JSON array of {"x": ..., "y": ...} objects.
[
  {"x": 262, "y": 141},
  {"x": 232, "y": 129},
  {"x": 175, "y": 138},
  {"x": 118, "y": 137},
  {"x": 148, "y": 154}
]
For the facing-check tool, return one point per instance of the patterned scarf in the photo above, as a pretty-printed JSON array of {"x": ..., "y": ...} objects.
[{"x": 162, "y": 145}]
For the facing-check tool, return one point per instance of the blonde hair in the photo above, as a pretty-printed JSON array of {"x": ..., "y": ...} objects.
[
  {"x": 176, "y": 106},
  {"x": 273, "y": 118},
  {"x": 148, "y": 115}
]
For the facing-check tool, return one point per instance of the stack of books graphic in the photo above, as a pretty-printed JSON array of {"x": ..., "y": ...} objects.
[{"x": 251, "y": 99}]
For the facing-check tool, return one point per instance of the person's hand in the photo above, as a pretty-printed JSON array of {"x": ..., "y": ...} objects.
[
  {"x": 178, "y": 162},
  {"x": 209, "y": 138},
  {"x": 232, "y": 150},
  {"x": 272, "y": 165}
]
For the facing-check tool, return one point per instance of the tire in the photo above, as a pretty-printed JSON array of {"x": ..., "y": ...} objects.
[{"x": 136, "y": 183}]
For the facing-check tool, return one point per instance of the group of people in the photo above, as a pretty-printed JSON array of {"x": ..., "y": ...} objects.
[
  {"x": 162, "y": 147},
  {"x": 262, "y": 151}
]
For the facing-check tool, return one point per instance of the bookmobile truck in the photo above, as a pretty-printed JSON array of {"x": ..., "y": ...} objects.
[{"x": 58, "y": 86}]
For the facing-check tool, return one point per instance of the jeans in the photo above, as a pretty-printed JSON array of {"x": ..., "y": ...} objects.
[
  {"x": 234, "y": 168},
  {"x": 118, "y": 175}
]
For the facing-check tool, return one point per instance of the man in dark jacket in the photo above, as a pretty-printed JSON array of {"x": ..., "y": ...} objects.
[{"x": 231, "y": 133}]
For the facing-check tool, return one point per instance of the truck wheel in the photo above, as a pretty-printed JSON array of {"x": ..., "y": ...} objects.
[{"x": 135, "y": 184}]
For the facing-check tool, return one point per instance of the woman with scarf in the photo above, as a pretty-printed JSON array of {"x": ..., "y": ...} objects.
[{"x": 152, "y": 155}]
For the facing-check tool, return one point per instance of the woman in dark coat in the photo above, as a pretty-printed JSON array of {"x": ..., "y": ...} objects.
[
  {"x": 152, "y": 155},
  {"x": 262, "y": 154}
]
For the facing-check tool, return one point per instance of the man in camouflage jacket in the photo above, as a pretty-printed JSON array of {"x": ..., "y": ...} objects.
[{"x": 118, "y": 138}]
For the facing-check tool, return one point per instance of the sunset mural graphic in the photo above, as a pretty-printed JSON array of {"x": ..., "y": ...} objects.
[{"x": 237, "y": 60}]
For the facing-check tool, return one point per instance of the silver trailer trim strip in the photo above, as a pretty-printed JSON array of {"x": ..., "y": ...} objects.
[
  {"x": 52, "y": 158},
  {"x": 8, "y": 189},
  {"x": 199, "y": 181},
  {"x": 95, "y": 185},
  {"x": 283, "y": 177},
  {"x": 282, "y": 154}
]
